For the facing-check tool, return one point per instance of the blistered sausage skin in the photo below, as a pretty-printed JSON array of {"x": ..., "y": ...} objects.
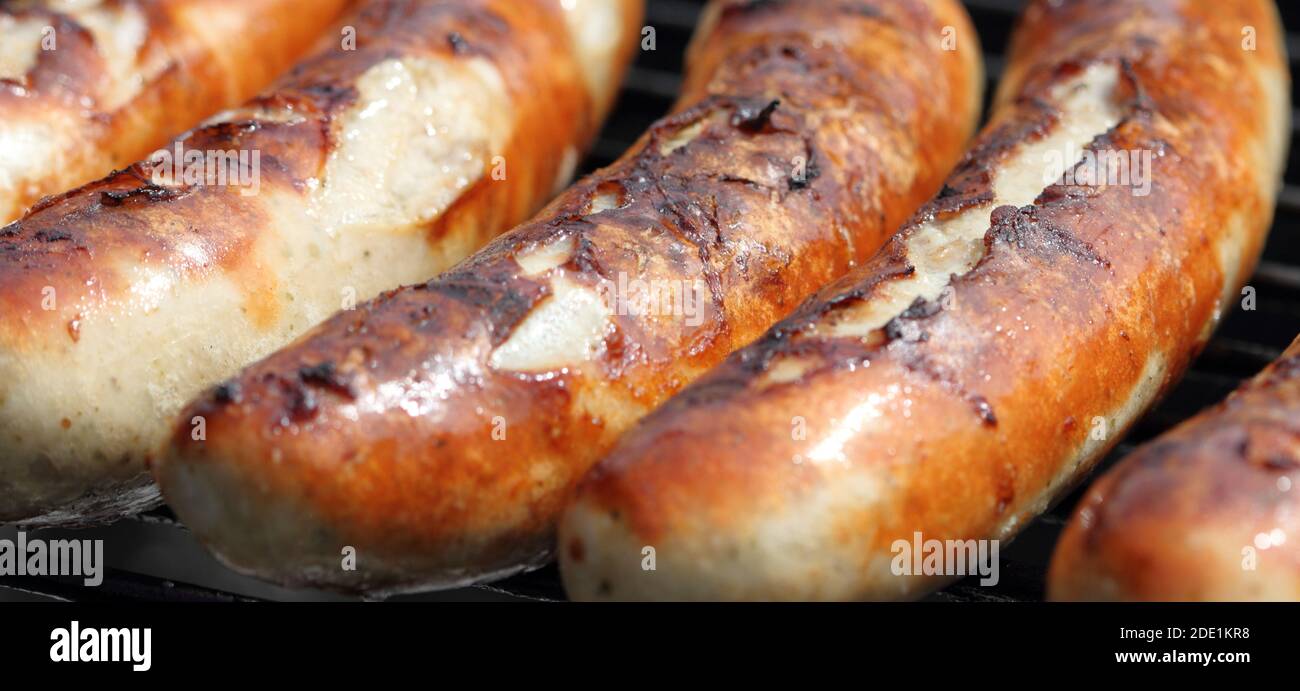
[
  {"x": 1208, "y": 511},
  {"x": 950, "y": 387},
  {"x": 419, "y": 131},
  {"x": 87, "y": 86},
  {"x": 438, "y": 429}
]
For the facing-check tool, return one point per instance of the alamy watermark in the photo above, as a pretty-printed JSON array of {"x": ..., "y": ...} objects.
[
  {"x": 37, "y": 557},
  {"x": 656, "y": 297},
  {"x": 1110, "y": 167},
  {"x": 921, "y": 557},
  {"x": 240, "y": 168},
  {"x": 75, "y": 643}
]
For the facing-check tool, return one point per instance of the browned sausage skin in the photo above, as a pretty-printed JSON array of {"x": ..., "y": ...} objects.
[
  {"x": 439, "y": 429},
  {"x": 1208, "y": 511},
  {"x": 950, "y": 386},
  {"x": 416, "y": 133},
  {"x": 92, "y": 85}
]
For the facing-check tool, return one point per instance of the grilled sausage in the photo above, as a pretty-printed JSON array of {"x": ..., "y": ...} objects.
[
  {"x": 1208, "y": 511},
  {"x": 418, "y": 132},
  {"x": 949, "y": 387},
  {"x": 86, "y": 87},
  {"x": 438, "y": 430}
]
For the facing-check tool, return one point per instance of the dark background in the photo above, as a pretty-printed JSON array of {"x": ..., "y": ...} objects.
[{"x": 154, "y": 558}]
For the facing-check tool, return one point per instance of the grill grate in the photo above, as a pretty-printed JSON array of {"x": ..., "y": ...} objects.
[{"x": 153, "y": 558}]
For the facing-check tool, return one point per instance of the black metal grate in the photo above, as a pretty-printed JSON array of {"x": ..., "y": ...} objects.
[{"x": 152, "y": 557}]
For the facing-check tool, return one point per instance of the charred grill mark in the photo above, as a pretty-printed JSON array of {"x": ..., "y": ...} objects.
[
  {"x": 326, "y": 376},
  {"x": 228, "y": 392},
  {"x": 586, "y": 257},
  {"x": 751, "y": 117},
  {"x": 779, "y": 340},
  {"x": 458, "y": 43},
  {"x": 897, "y": 269},
  {"x": 1022, "y": 229},
  {"x": 899, "y": 329},
  {"x": 52, "y": 235},
  {"x": 676, "y": 207},
  {"x": 143, "y": 191},
  {"x": 503, "y": 305},
  {"x": 984, "y": 410},
  {"x": 1139, "y": 102},
  {"x": 143, "y": 194},
  {"x": 294, "y": 151},
  {"x": 1272, "y": 454},
  {"x": 904, "y": 327},
  {"x": 291, "y": 396},
  {"x": 974, "y": 188}
]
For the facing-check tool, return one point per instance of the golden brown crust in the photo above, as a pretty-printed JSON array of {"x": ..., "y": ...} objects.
[
  {"x": 963, "y": 417},
  {"x": 806, "y": 133},
  {"x": 197, "y": 56},
  {"x": 1208, "y": 511}
]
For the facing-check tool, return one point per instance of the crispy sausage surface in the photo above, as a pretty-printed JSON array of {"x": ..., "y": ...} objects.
[
  {"x": 415, "y": 134},
  {"x": 87, "y": 86},
  {"x": 948, "y": 388},
  {"x": 439, "y": 429},
  {"x": 1208, "y": 511}
]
